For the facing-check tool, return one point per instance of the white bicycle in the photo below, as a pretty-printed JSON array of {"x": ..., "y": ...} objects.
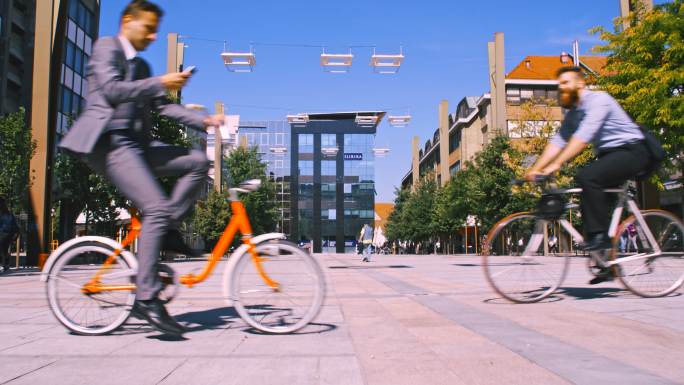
[
  {"x": 523, "y": 266},
  {"x": 274, "y": 285}
]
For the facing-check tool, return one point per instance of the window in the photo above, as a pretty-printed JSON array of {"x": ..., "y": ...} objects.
[
  {"x": 328, "y": 167},
  {"x": 539, "y": 93},
  {"x": 513, "y": 95},
  {"x": 68, "y": 77},
  {"x": 84, "y": 87},
  {"x": 525, "y": 94},
  {"x": 66, "y": 100},
  {"x": 73, "y": 10},
  {"x": 455, "y": 168},
  {"x": 553, "y": 95},
  {"x": 88, "y": 45},
  {"x": 264, "y": 138},
  {"x": 82, "y": 13},
  {"x": 306, "y": 143},
  {"x": 306, "y": 167},
  {"x": 80, "y": 38},
  {"x": 328, "y": 140},
  {"x": 71, "y": 31},
  {"x": 347, "y": 188},
  {"x": 279, "y": 163},
  {"x": 280, "y": 138},
  {"x": 69, "y": 54},
  {"x": 78, "y": 61},
  {"x": 75, "y": 104},
  {"x": 250, "y": 138},
  {"x": 77, "y": 84}
]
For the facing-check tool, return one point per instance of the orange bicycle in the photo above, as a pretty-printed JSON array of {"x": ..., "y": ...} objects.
[{"x": 273, "y": 285}]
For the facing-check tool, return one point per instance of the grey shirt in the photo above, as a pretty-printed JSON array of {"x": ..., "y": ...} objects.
[{"x": 599, "y": 120}]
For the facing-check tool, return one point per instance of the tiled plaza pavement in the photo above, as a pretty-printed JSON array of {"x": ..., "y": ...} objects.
[{"x": 397, "y": 320}]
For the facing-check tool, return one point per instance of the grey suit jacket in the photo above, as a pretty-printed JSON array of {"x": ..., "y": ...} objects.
[{"x": 111, "y": 91}]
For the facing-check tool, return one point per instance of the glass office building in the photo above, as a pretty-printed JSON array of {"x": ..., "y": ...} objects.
[
  {"x": 272, "y": 141},
  {"x": 81, "y": 32},
  {"x": 332, "y": 178}
]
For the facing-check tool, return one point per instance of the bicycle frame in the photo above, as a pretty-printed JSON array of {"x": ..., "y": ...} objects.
[
  {"x": 239, "y": 221},
  {"x": 623, "y": 200}
]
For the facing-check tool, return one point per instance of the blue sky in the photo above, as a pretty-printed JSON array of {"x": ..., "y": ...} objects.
[{"x": 445, "y": 44}]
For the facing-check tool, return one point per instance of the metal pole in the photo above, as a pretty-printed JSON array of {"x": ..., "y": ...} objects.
[{"x": 466, "y": 239}]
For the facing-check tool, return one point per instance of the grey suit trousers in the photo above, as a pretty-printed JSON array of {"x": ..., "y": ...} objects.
[{"x": 133, "y": 167}]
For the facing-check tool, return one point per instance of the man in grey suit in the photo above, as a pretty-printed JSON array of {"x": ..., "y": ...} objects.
[{"x": 112, "y": 135}]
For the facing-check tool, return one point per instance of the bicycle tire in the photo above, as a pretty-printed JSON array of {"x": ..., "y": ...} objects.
[
  {"x": 655, "y": 276},
  {"x": 121, "y": 304},
  {"x": 503, "y": 260},
  {"x": 269, "y": 313}
]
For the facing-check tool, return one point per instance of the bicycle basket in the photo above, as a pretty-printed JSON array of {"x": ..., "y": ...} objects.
[{"x": 550, "y": 206}]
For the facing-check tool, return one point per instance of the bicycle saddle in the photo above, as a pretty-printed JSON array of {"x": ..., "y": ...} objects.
[{"x": 249, "y": 186}]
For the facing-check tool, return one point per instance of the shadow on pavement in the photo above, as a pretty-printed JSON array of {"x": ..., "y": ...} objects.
[
  {"x": 312, "y": 328},
  {"x": 581, "y": 293},
  {"x": 208, "y": 319}
]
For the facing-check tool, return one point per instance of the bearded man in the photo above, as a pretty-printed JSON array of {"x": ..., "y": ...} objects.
[{"x": 594, "y": 117}]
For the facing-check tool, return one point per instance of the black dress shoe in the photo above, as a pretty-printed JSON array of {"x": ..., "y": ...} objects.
[
  {"x": 173, "y": 241},
  {"x": 604, "y": 275},
  {"x": 154, "y": 312},
  {"x": 598, "y": 241}
]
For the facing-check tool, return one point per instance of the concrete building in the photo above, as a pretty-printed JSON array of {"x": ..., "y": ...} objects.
[
  {"x": 530, "y": 101},
  {"x": 17, "y": 23}
]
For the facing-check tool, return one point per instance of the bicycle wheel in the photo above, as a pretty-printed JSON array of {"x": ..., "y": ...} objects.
[
  {"x": 90, "y": 314},
  {"x": 640, "y": 269},
  {"x": 520, "y": 262},
  {"x": 298, "y": 298}
]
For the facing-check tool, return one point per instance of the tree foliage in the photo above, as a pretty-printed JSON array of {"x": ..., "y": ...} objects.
[
  {"x": 645, "y": 71},
  {"x": 16, "y": 150},
  {"x": 212, "y": 215}
]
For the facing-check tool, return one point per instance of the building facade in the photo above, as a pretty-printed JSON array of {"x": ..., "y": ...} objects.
[
  {"x": 272, "y": 141},
  {"x": 332, "y": 178},
  {"x": 81, "y": 32},
  {"x": 17, "y": 26}
]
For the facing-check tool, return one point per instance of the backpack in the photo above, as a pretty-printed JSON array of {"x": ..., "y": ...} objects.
[{"x": 655, "y": 149}]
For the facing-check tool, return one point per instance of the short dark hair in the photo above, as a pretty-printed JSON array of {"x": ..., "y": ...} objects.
[
  {"x": 577, "y": 70},
  {"x": 136, "y": 6}
]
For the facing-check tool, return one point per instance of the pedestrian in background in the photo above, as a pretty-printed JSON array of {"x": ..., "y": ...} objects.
[
  {"x": 8, "y": 233},
  {"x": 366, "y": 239}
]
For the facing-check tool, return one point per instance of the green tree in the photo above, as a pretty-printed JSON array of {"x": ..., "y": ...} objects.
[
  {"x": 484, "y": 188},
  {"x": 16, "y": 150},
  {"x": 645, "y": 71},
  {"x": 395, "y": 229},
  {"x": 417, "y": 217},
  {"x": 212, "y": 215}
]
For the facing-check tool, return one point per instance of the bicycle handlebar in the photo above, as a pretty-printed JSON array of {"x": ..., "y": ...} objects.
[{"x": 537, "y": 179}]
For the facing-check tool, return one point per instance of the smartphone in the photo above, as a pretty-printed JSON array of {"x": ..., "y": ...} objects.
[{"x": 191, "y": 69}]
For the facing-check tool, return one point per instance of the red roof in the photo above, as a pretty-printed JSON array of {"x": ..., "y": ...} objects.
[{"x": 545, "y": 67}]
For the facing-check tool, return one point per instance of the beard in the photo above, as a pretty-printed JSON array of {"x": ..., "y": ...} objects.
[{"x": 568, "y": 98}]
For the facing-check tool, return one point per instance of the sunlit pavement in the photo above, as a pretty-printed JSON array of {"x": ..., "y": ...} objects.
[{"x": 396, "y": 320}]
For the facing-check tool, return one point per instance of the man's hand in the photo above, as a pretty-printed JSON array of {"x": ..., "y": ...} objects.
[
  {"x": 532, "y": 174},
  {"x": 551, "y": 169},
  {"x": 214, "y": 120},
  {"x": 174, "y": 81}
]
